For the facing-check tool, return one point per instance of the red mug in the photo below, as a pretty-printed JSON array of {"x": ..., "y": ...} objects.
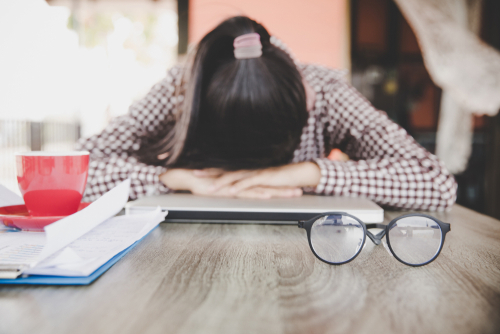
[{"x": 52, "y": 183}]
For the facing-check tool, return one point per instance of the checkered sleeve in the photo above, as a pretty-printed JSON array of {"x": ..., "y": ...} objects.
[
  {"x": 112, "y": 151},
  {"x": 387, "y": 166}
]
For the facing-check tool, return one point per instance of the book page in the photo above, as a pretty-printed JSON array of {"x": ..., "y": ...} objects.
[
  {"x": 20, "y": 248},
  {"x": 8, "y": 197},
  {"x": 65, "y": 231},
  {"x": 86, "y": 254}
]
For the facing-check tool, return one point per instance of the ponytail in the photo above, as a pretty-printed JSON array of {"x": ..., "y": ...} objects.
[{"x": 237, "y": 113}]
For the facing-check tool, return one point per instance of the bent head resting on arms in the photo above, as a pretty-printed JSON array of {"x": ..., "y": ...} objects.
[
  {"x": 244, "y": 119},
  {"x": 246, "y": 111}
]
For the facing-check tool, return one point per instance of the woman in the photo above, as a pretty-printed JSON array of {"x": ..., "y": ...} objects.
[{"x": 246, "y": 121}]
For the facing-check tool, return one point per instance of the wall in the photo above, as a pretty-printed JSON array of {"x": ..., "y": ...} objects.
[{"x": 317, "y": 31}]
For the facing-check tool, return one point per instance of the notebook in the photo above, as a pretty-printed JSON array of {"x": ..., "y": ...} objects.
[
  {"x": 195, "y": 209},
  {"x": 64, "y": 280}
]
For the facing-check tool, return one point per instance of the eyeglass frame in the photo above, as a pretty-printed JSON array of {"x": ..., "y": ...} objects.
[{"x": 377, "y": 238}]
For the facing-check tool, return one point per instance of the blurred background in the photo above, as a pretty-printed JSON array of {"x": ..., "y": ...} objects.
[{"x": 68, "y": 66}]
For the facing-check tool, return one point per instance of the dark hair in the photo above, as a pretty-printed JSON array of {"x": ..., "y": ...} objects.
[{"x": 237, "y": 113}]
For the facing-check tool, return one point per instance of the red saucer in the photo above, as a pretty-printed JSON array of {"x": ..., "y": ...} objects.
[{"x": 19, "y": 217}]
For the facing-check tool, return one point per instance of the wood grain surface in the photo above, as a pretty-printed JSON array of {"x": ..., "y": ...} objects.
[{"x": 213, "y": 278}]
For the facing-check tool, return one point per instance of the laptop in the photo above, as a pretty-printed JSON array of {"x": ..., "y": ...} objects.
[{"x": 188, "y": 208}]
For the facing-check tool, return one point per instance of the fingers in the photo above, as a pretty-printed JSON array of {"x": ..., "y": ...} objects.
[
  {"x": 229, "y": 178},
  {"x": 274, "y": 177},
  {"x": 260, "y": 192},
  {"x": 221, "y": 178},
  {"x": 287, "y": 176},
  {"x": 291, "y": 176},
  {"x": 255, "y": 180}
]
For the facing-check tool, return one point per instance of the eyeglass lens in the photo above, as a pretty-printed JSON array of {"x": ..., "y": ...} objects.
[
  {"x": 337, "y": 238},
  {"x": 415, "y": 240}
]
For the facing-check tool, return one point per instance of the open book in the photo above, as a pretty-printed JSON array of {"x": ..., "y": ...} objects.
[{"x": 79, "y": 244}]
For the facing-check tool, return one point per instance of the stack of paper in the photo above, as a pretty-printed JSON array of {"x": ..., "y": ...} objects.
[{"x": 78, "y": 245}]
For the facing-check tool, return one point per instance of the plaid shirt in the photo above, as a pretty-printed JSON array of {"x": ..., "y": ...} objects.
[{"x": 386, "y": 166}]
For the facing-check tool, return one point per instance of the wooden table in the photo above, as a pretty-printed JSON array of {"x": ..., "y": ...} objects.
[{"x": 192, "y": 278}]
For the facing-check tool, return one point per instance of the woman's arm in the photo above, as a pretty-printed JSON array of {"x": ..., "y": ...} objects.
[
  {"x": 387, "y": 165},
  {"x": 112, "y": 151}
]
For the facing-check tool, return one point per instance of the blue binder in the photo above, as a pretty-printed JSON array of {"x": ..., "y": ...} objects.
[{"x": 65, "y": 280}]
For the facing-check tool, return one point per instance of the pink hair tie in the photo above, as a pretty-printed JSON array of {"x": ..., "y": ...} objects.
[{"x": 247, "y": 46}]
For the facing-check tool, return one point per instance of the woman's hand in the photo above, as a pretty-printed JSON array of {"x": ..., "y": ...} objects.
[
  {"x": 185, "y": 179},
  {"x": 304, "y": 174}
]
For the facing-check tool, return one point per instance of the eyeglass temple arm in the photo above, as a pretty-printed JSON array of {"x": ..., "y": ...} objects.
[{"x": 376, "y": 238}]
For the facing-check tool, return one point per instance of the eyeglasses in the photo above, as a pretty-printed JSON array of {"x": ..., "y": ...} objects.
[{"x": 338, "y": 237}]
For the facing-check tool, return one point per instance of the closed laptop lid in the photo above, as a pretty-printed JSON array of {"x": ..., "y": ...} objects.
[{"x": 192, "y": 208}]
